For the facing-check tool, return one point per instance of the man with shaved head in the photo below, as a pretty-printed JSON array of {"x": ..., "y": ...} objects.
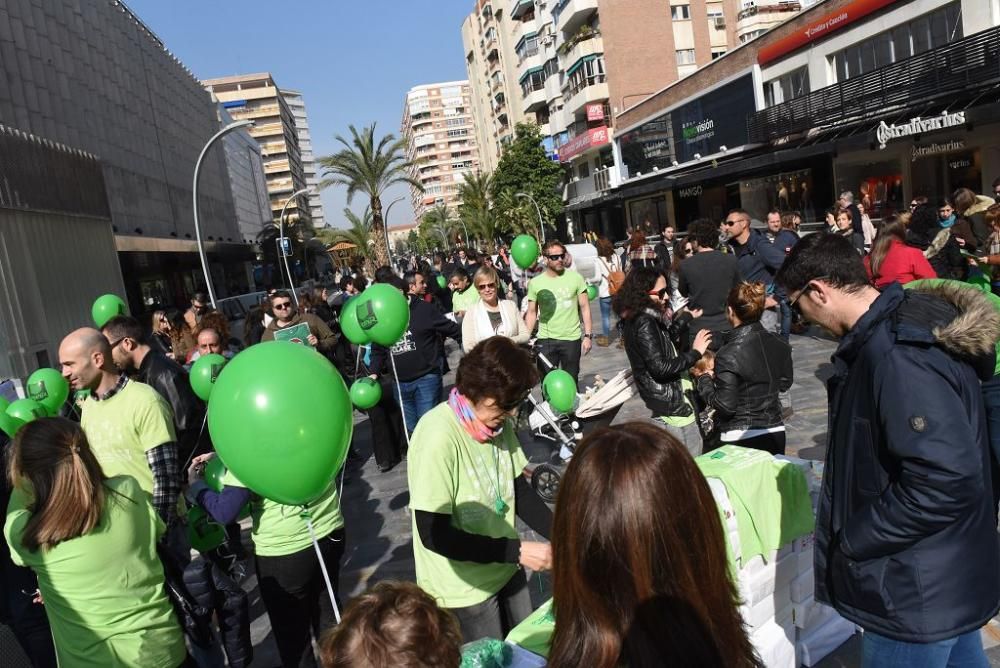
[{"x": 129, "y": 426}]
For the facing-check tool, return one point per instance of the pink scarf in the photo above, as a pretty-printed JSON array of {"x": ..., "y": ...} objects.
[{"x": 467, "y": 418}]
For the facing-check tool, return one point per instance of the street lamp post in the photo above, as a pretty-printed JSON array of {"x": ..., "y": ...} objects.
[
  {"x": 194, "y": 203},
  {"x": 541, "y": 225},
  {"x": 385, "y": 228},
  {"x": 466, "y": 230},
  {"x": 281, "y": 235}
]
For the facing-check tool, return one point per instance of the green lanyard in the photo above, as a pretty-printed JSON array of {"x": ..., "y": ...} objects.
[{"x": 500, "y": 506}]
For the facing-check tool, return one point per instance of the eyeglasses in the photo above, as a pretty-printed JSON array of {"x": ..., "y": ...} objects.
[
  {"x": 115, "y": 344},
  {"x": 793, "y": 303},
  {"x": 486, "y": 286},
  {"x": 282, "y": 306},
  {"x": 198, "y": 306},
  {"x": 555, "y": 257}
]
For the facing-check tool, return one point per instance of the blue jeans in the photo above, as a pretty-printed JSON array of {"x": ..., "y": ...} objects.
[
  {"x": 419, "y": 396},
  {"x": 964, "y": 651},
  {"x": 606, "y": 315}
]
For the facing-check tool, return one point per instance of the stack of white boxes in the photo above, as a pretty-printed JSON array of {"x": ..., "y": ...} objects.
[{"x": 788, "y": 627}]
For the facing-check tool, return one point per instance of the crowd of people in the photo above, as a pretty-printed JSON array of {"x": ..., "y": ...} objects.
[{"x": 104, "y": 499}]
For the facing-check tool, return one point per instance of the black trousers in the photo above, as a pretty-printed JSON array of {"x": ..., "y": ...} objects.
[
  {"x": 388, "y": 428},
  {"x": 773, "y": 443},
  {"x": 563, "y": 355},
  {"x": 296, "y": 599}
]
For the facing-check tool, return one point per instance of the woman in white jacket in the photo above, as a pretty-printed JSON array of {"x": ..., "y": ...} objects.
[{"x": 491, "y": 316}]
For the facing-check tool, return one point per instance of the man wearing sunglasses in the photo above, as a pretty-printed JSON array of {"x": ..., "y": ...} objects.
[
  {"x": 287, "y": 315},
  {"x": 906, "y": 543},
  {"x": 758, "y": 259},
  {"x": 557, "y": 300}
]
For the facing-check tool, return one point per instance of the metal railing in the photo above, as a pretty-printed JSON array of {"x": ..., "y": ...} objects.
[
  {"x": 967, "y": 66},
  {"x": 768, "y": 9}
]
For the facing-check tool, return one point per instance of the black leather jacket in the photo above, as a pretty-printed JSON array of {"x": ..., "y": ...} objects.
[
  {"x": 171, "y": 382},
  {"x": 657, "y": 366},
  {"x": 750, "y": 370}
]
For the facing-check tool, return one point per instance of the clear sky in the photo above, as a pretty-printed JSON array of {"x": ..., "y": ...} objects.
[{"x": 353, "y": 61}]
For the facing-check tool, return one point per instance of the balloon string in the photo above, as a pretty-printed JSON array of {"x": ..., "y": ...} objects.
[
  {"x": 322, "y": 564},
  {"x": 399, "y": 390},
  {"x": 357, "y": 363},
  {"x": 201, "y": 431}
]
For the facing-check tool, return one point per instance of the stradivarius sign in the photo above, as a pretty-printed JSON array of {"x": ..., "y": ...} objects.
[{"x": 886, "y": 133}]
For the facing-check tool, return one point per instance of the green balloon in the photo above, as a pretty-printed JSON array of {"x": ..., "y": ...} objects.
[
  {"x": 281, "y": 420},
  {"x": 441, "y": 281},
  {"x": 9, "y": 424},
  {"x": 524, "y": 250},
  {"x": 365, "y": 393},
  {"x": 384, "y": 313},
  {"x": 349, "y": 323},
  {"x": 106, "y": 307},
  {"x": 204, "y": 372},
  {"x": 214, "y": 470},
  {"x": 559, "y": 390},
  {"x": 204, "y": 533},
  {"x": 26, "y": 410},
  {"x": 49, "y": 388},
  {"x": 591, "y": 292}
]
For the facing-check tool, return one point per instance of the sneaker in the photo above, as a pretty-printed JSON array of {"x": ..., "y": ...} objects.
[{"x": 602, "y": 341}]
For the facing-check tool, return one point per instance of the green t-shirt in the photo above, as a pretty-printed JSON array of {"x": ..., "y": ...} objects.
[
  {"x": 451, "y": 473},
  {"x": 678, "y": 420},
  {"x": 279, "y": 530},
  {"x": 123, "y": 428},
  {"x": 463, "y": 301},
  {"x": 103, "y": 591},
  {"x": 557, "y": 298}
]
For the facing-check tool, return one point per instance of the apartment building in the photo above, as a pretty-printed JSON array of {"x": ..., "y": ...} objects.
[
  {"x": 258, "y": 98},
  {"x": 298, "y": 107},
  {"x": 441, "y": 139}
]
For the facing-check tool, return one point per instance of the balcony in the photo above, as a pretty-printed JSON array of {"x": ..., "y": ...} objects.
[
  {"x": 574, "y": 14},
  {"x": 496, "y": 83},
  {"x": 761, "y": 18},
  {"x": 532, "y": 63},
  {"x": 519, "y": 8},
  {"x": 592, "y": 89},
  {"x": 591, "y": 186},
  {"x": 965, "y": 69},
  {"x": 527, "y": 27},
  {"x": 534, "y": 100},
  {"x": 591, "y": 45}
]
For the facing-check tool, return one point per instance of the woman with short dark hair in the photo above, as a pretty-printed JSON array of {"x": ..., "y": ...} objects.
[
  {"x": 751, "y": 369},
  {"x": 624, "y": 593},
  {"x": 466, "y": 486}
]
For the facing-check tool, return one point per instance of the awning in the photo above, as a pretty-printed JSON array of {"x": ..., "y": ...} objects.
[
  {"x": 342, "y": 246},
  {"x": 578, "y": 64},
  {"x": 528, "y": 73},
  {"x": 524, "y": 38}
]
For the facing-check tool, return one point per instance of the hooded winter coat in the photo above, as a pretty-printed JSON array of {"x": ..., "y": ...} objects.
[{"x": 906, "y": 543}]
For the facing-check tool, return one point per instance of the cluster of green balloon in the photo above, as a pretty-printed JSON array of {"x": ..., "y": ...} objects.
[
  {"x": 379, "y": 315},
  {"x": 559, "y": 390},
  {"x": 365, "y": 393},
  {"x": 591, "y": 292},
  {"x": 47, "y": 391},
  {"x": 204, "y": 533},
  {"x": 18, "y": 413},
  {"x": 204, "y": 372},
  {"x": 281, "y": 420},
  {"x": 105, "y": 308},
  {"x": 524, "y": 249},
  {"x": 441, "y": 281}
]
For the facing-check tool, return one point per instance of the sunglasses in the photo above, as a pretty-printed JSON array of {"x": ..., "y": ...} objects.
[
  {"x": 115, "y": 344},
  {"x": 730, "y": 223},
  {"x": 661, "y": 293},
  {"x": 486, "y": 286},
  {"x": 282, "y": 306},
  {"x": 555, "y": 257}
]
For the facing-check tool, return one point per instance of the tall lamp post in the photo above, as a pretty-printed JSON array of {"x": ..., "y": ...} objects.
[
  {"x": 194, "y": 197},
  {"x": 541, "y": 225},
  {"x": 281, "y": 235},
  {"x": 385, "y": 227}
]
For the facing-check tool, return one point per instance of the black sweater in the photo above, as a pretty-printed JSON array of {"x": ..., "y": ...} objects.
[{"x": 418, "y": 352}]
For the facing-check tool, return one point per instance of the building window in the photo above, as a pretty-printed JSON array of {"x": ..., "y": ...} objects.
[
  {"x": 685, "y": 57},
  {"x": 453, "y": 122},
  {"x": 458, "y": 133},
  {"x": 714, "y": 9},
  {"x": 787, "y": 87},
  {"x": 680, "y": 12},
  {"x": 585, "y": 73},
  {"x": 924, "y": 33},
  {"x": 532, "y": 81},
  {"x": 718, "y": 52}
]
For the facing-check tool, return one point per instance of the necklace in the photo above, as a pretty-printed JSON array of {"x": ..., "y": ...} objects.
[{"x": 500, "y": 507}]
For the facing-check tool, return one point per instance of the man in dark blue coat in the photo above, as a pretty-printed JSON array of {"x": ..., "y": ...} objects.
[{"x": 906, "y": 539}]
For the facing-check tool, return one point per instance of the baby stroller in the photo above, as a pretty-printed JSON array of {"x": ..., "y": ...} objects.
[{"x": 596, "y": 407}]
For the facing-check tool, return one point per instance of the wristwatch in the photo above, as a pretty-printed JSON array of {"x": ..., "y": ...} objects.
[{"x": 588, "y": 336}]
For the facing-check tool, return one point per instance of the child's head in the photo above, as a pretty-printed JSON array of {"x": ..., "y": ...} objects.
[
  {"x": 706, "y": 363},
  {"x": 393, "y": 624}
]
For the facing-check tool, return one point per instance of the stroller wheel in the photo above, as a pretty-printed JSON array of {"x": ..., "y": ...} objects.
[{"x": 545, "y": 481}]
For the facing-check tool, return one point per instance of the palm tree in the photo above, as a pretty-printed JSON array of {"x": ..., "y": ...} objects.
[
  {"x": 439, "y": 223},
  {"x": 477, "y": 208},
  {"x": 369, "y": 167},
  {"x": 360, "y": 234}
]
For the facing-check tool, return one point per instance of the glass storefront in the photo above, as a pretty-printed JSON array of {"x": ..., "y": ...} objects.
[
  {"x": 938, "y": 176},
  {"x": 648, "y": 215},
  {"x": 876, "y": 183}
]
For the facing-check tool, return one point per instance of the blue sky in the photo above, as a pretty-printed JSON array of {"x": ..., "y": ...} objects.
[{"x": 353, "y": 61}]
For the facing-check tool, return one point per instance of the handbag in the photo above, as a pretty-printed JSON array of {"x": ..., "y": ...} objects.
[{"x": 615, "y": 278}]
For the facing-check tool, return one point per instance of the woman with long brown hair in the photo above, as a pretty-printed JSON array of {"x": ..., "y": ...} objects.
[
  {"x": 92, "y": 542},
  {"x": 892, "y": 260},
  {"x": 640, "y": 572}
]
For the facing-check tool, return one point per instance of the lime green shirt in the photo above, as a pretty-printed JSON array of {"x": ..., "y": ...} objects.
[
  {"x": 451, "y": 473},
  {"x": 103, "y": 591},
  {"x": 279, "y": 530},
  {"x": 124, "y": 427},
  {"x": 679, "y": 420},
  {"x": 557, "y": 298},
  {"x": 463, "y": 301}
]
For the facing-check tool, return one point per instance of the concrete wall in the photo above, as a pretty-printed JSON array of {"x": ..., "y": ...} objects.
[{"x": 90, "y": 75}]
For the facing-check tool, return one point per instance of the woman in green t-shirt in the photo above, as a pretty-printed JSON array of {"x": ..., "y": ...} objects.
[
  {"x": 466, "y": 486},
  {"x": 92, "y": 542}
]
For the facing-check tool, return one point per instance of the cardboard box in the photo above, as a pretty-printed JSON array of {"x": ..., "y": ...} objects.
[
  {"x": 813, "y": 645},
  {"x": 774, "y": 646},
  {"x": 803, "y": 586},
  {"x": 810, "y": 614}
]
